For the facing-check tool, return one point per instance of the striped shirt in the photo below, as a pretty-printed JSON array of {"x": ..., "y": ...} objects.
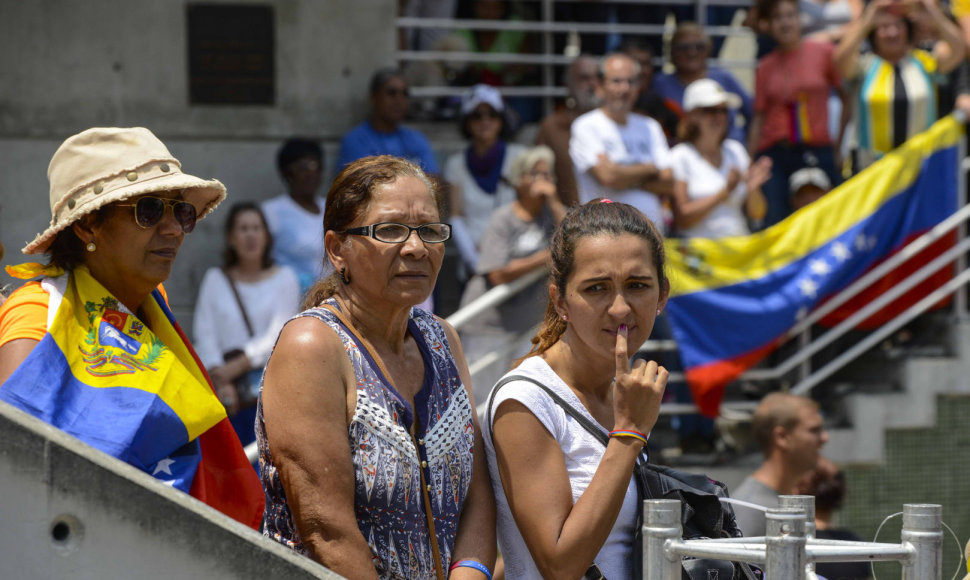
[{"x": 894, "y": 101}]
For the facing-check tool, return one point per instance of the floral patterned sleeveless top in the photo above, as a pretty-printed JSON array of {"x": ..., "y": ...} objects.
[{"x": 387, "y": 462}]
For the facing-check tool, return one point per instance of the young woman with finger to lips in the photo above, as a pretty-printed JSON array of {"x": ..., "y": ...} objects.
[{"x": 563, "y": 501}]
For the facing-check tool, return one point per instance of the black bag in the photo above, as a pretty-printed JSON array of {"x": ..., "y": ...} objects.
[
  {"x": 247, "y": 384},
  {"x": 703, "y": 514}
]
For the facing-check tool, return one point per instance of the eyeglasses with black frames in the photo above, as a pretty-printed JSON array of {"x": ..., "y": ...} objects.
[
  {"x": 150, "y": 210},
  {"x": 395, "y": 233}
]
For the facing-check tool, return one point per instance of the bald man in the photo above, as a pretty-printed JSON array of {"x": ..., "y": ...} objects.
[{"x": 790, "y": 432}]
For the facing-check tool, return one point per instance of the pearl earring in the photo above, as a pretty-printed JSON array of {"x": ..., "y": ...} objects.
[
  {"x": 564, "y": 319},
  {"x": 90, "y": 247}
]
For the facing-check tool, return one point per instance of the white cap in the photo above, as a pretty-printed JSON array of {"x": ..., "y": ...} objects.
[
  {"x": 808, "y": 176},
  {"x": 482, "y": 94},
  {"x": 708, "y": 93}
]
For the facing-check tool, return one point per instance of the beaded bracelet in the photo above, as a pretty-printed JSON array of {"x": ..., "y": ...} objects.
[
  {"x": 633, "y": 434},
  {"x": 472, "y": 564}
]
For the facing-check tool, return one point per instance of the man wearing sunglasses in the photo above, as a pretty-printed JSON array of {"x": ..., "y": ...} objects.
[
  {"x": 690, "y": 47},
  {"x": 382, "y": 133}
]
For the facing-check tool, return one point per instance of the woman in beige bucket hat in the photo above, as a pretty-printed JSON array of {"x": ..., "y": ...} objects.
[{"x": 93, "y": 349}]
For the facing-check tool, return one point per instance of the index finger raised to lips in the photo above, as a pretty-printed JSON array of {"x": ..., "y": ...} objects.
[{"x": 622, "y": 358}]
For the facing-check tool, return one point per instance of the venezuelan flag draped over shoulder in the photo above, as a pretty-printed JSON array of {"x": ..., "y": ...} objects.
[
  {"x": 135, "y": 390},
  {"x": 732, "y": 299}
]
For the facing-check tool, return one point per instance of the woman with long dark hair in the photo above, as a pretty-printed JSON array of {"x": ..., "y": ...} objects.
[{"x": 241, "y": 308}]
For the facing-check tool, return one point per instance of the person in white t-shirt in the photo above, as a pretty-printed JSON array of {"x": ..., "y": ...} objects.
[
  {"x": 566, "y": 503},
  {"x": 296, "y": 218},
  {"x": 617, "y": 153},
  {"x": 716, "y": 188}
]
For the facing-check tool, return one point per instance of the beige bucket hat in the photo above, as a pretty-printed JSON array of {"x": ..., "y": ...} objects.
[{"x": 103, "y": 165}]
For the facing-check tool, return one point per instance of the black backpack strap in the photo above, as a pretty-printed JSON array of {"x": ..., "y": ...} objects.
[
  {"x": 593, "y": 429},
  {"x": 583, "y": 421}
]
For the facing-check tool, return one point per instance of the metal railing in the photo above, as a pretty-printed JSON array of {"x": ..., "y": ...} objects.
[
  {"x": 789, "y": 549},
  {"x": 545, "y": 26}
]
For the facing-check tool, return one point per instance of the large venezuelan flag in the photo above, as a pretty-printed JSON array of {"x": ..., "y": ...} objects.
[
  {"x": 732, "y": 299},
  {"x": 135, "y": 389}
]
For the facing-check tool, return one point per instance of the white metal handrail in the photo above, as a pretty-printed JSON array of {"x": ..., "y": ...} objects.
[
  {"x": 837, "y": 331},
  {"x": 541, "y": 26},
  {"x": 882, "y": 332},
  {"x": 494, "y": 297}
]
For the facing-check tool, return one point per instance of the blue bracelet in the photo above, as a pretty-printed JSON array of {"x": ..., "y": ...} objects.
[{"x": 472, "y": 564}]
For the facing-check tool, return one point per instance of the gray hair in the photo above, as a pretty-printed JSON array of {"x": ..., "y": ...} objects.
[{"x": 526, "y": 160}]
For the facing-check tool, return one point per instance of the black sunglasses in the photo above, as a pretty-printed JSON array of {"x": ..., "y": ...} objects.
[
  {"x": 395, "y": 233},
  {"x": 150, "y": 210}
]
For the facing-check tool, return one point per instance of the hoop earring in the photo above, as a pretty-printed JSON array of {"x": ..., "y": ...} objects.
[
  {"x": 343, "y": 275},
  {"x": 90, "y": 247}
]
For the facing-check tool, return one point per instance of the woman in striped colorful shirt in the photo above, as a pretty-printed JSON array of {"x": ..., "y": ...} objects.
[{"x": 896, "y": 83}]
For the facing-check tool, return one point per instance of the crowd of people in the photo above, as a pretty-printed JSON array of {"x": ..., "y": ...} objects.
[{"x": 372, "y": 459}]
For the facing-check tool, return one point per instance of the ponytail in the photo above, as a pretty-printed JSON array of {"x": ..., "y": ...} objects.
[{"x": 550, "y": 331}]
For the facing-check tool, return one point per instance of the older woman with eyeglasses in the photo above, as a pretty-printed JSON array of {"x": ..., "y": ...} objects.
[
  {"x": 93, "y": 348},
  {"x": 370, "y": 451},
  {"x": 690, "y": 47}
]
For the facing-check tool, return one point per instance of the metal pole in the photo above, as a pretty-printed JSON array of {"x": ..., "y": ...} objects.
[
  {"x": 960, "y": 298},
  {"x": 785, "y": 544},
  {"x": 661, "y": 524},
  {"x": 803, "y": 503},
  {"x": 547, "y": 47},
  {"x": 923, "y": 530}
]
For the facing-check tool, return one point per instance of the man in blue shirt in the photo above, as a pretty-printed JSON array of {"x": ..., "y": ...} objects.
[{"x": 382, "y": 133}]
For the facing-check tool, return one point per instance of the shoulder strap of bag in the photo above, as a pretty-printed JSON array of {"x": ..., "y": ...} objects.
[
  {"x": 586, "y": 423},
  {"x": 235, "y": 292},
  {"x": 594, "y": 430}
]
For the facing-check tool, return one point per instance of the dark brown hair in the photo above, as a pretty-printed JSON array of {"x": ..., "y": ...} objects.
[
  {"x": 588, "y": 220},
  {"x": 766, "y": 8},
  {"x": 229, "y": 256},
  {"x": 67, "y": 250},
  {"x": 348, "y": 199}
]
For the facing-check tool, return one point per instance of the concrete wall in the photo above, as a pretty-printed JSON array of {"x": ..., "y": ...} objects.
[
  {"x": 73, "y": 65},
  {"x": 70, "y": 511},
  {"x": 67, "y": 66}
]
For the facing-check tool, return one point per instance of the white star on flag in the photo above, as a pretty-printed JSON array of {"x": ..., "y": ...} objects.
[
  {"x": 808, "y": 287},
  {"x": 841, "y": 251},
  {"x": 820, "y": 267},
  {"x": 861, "y": 242},
  {"x": 163, "y": 466}
]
